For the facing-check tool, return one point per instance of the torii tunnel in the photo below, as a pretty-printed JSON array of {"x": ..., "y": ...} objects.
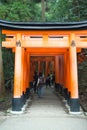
[{"x": 58, "y": 43}]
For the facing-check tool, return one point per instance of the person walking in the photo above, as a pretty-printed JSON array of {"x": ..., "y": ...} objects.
[
  {"x": 35, "y": 81},
  {"x": 40, "y": 85},
  {"x": 48, "y": 81}
]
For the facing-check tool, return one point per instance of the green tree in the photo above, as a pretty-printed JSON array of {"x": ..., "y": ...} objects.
[
  {"x": 67, "y": 10},
  {"x": 31, "y": 10},
  {"x": 2, "y": 88},
  {"x": 20, "y": 11}
]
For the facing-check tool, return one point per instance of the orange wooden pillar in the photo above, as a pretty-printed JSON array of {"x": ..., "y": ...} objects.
[
  {"x": 68, "y": 72},
  {"x": 28, "y": 60},
  {"x": 57, "y": 84},
  {"x": 35, "y": 68},
  {"x": 74, "y": 101},
  {"x": 53, "y": 66},
  {"x": 61, "y": 68},
  {"x": 28, "y": 69},
  {"x": 25, "y": 72},
  {"x": 65, "y": 71},
  {"x": 61, "y": 73},
  {"x": 46, "y": 73},
  {"x": 27, "y": 76},
  {"x": 22, "y": 78},
  {"x": 39, "y": 67},
  {"x": 31, "y": 71},
  {"x": 57, "y": 69},
  {"x": 17, "y": 102},
  {"x": 67, "y": 76},
  {"x": 48, "y": 68}
]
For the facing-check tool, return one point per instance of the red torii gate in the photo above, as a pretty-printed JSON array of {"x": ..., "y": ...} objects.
[
  {"x": 61, "y": 40},
  {"x": 40, "y": 60}
]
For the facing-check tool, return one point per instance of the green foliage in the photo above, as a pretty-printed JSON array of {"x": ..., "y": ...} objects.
[
  {"x": 55, "y": 10},
  {"x": 82, "y": 74},
  {"x": 67, "y": 10},
  {"x": 2, "y": 100},
  {"x": 3, "y": 11},
  {"x": 8, "y": 63},
  {"x": 31, "y": 10},
  {"x": 37, "y": 15},
  {"x": 19, "y": 12},
  {"x": 16, "y": 11}
]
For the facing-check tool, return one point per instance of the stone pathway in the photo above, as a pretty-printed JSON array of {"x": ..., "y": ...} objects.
[{"x": 47, "y": 113}]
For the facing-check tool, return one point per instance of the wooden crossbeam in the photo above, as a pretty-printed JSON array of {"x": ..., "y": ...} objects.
[
  {"x": 42, "y": 58},
  {"x": 46, "y": 51},
  {"x": 45, "y": 39},
  {"x": 41, "y": 43},
  {"x": 9, "y": 44},
  {"x": 45, "y": 32}
]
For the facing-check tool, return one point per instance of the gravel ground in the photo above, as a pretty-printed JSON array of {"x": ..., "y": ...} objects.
[
  {"x": 83, "y": 100},
  {"x": 5, "y": 103}
]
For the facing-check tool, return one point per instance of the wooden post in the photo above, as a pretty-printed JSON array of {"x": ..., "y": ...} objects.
[
  {"x": 46, "y": 69},
  {"x": 27, "y": 74},
  {"x": 68, "y": 72},
  {"x": 65, "y": 71},
  {"x": 61, "y": 73},
  {"x": 28, "y": 69},
  {"x": 22, "y": 77},
  {"x": 17, "y": 102},
  {"x": 61, "y": 68},
  {"x": 67, "y": 76},
  {"x": 56, "y": 69},
  {"x": 52, "y": 66},
  {"x": 38, "y": 66},
  {"x": 31, "y": 75},
  {"x": 74, "y": 103}
]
